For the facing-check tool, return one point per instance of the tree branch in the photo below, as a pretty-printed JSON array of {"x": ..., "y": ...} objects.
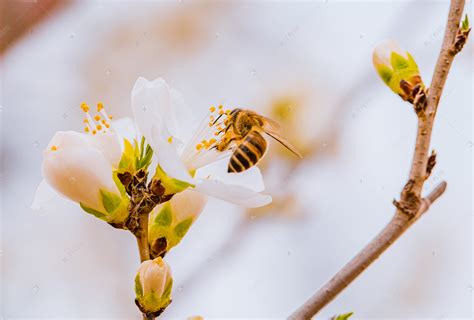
[{"x": 411, "y": 206}]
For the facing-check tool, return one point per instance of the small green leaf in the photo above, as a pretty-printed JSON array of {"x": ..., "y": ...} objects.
[
  {"x": 183, "y": 227},
  {"x": 398, "y": 62},
  {"x": 138, "y": 287},
  {"x": 94, "y": 212},
  {"x": 344, "y": 316},
  {"x": 465, "y": 23},
  {"x": 165, "y": 216},
  {"x": 118, "y": 183},
  {"x": 110, "y": 200}
]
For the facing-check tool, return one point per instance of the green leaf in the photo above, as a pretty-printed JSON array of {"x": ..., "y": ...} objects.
[
  {"x": 344, "y": 316},
  {"x": 398, "y": 62},
  {"x": 465, "y": 23},
  {"x": 138, "y": 286},
  {"x": 183, "y": 227},
  {"x": 110, "y": 200},
  {"x": 94, "y": 212},
  {"x": 165, "y": 216}
]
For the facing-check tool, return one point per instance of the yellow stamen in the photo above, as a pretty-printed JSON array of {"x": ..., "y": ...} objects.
[
  {"x": 220, "y": 106},
  {"x": 103, "y": 121},
  {"x": 99, "y": 127},
  {"x": 107, "y": 125},
  {"x": 221, "y": 111},
  {"x": 216, "y": 133},
  {"x": 198, "y": 146},
  {"x": 94, "y": 132},
  {"x": 97, "y": 117},
  {"x": 100, "y": 106},
  {"x": 210, "y": 124},
  {"x": 227, "y": 111},
  {"x": 212, "y": 141},
  {"x": 212, "y": 109},
  {"x": 110, "y": 116},
  {"x": 170, "y": 139},
  {"x": 84, "y": 107},
  {"x": 86, "y": 129},
  {"x": 54, "y": 148}
]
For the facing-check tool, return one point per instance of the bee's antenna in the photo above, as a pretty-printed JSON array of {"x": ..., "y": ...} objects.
[{"x": 217, "y": 119}]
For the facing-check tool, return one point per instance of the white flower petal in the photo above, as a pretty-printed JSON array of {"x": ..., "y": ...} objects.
[
  {"x": 109, "y": 144},
  {"x": 234, "y": 194},
  {"x": 188, "y": 203},
  {"x": 181, "y": 121},
  {"x": 250, "y": 178},
  {"x": 383, "y": 52},
  {"x": 78, "y": 173},
  {"x": 44, "y": 195},
  {"x": 125, "y": 129},
  {"x": 150, "y": 105}
]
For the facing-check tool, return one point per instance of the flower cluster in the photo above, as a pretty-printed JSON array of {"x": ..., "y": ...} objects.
[{"x": 162, "y": 164}]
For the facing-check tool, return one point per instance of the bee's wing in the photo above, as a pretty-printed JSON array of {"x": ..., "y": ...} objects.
[{"x": 273, "y": 129}]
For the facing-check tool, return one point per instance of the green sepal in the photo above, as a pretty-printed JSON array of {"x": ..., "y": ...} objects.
[
  {"x": 138, "y": 287},
  {"x": 344, "y": 316},
  {"x": 127, "y": 161},
  {"x": 182, "y": 228},
  {"x": 110, "y": 200},
  {"x": 385, "y": 73},
  {"x": 398, "y": 61},
  {"x": 165, "y": 216},
  {"x": 119, "y": 184},
  {"x": 167, "y": 293},
  {"x": 171, "y": 185},
  {"x": 94, "y": 212}
]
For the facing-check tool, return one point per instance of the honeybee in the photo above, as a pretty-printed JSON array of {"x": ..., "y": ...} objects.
[{"x": 244, "y": 129}]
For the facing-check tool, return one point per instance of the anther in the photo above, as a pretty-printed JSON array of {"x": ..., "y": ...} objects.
[
  {"x": 100, "y": 106},
  {"x": 86, "y": 129},
  {"x": 97, "y": 117},
  {"x": 99, "y": 127},
  {"x": 84, "y": 107},
  {"x": 170, "y": 139},
  {"x": 54, "y": 148},
  {"x": 212, "y": 109}
]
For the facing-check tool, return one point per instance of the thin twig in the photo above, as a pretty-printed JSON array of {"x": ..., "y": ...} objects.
[
  {"x": 142, "y": 238},
  {"x": 411, "y": 206}
]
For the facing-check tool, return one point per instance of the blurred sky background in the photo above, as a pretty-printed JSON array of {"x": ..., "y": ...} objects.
[{"x": 312, "y": 60}]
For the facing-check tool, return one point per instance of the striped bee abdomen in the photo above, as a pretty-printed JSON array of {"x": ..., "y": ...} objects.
[{"x": 248, "y": 152}]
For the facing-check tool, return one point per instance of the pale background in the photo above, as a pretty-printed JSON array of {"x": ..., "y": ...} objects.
[{"x": 63, "y": 263}]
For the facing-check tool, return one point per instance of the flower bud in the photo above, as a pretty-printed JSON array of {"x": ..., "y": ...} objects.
[
  {"x": 397, "y": 68},
  {"x": 170, "y": 221},
  {"x": 153, "y": 284},
  {"x": 79, "y": 167}
]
